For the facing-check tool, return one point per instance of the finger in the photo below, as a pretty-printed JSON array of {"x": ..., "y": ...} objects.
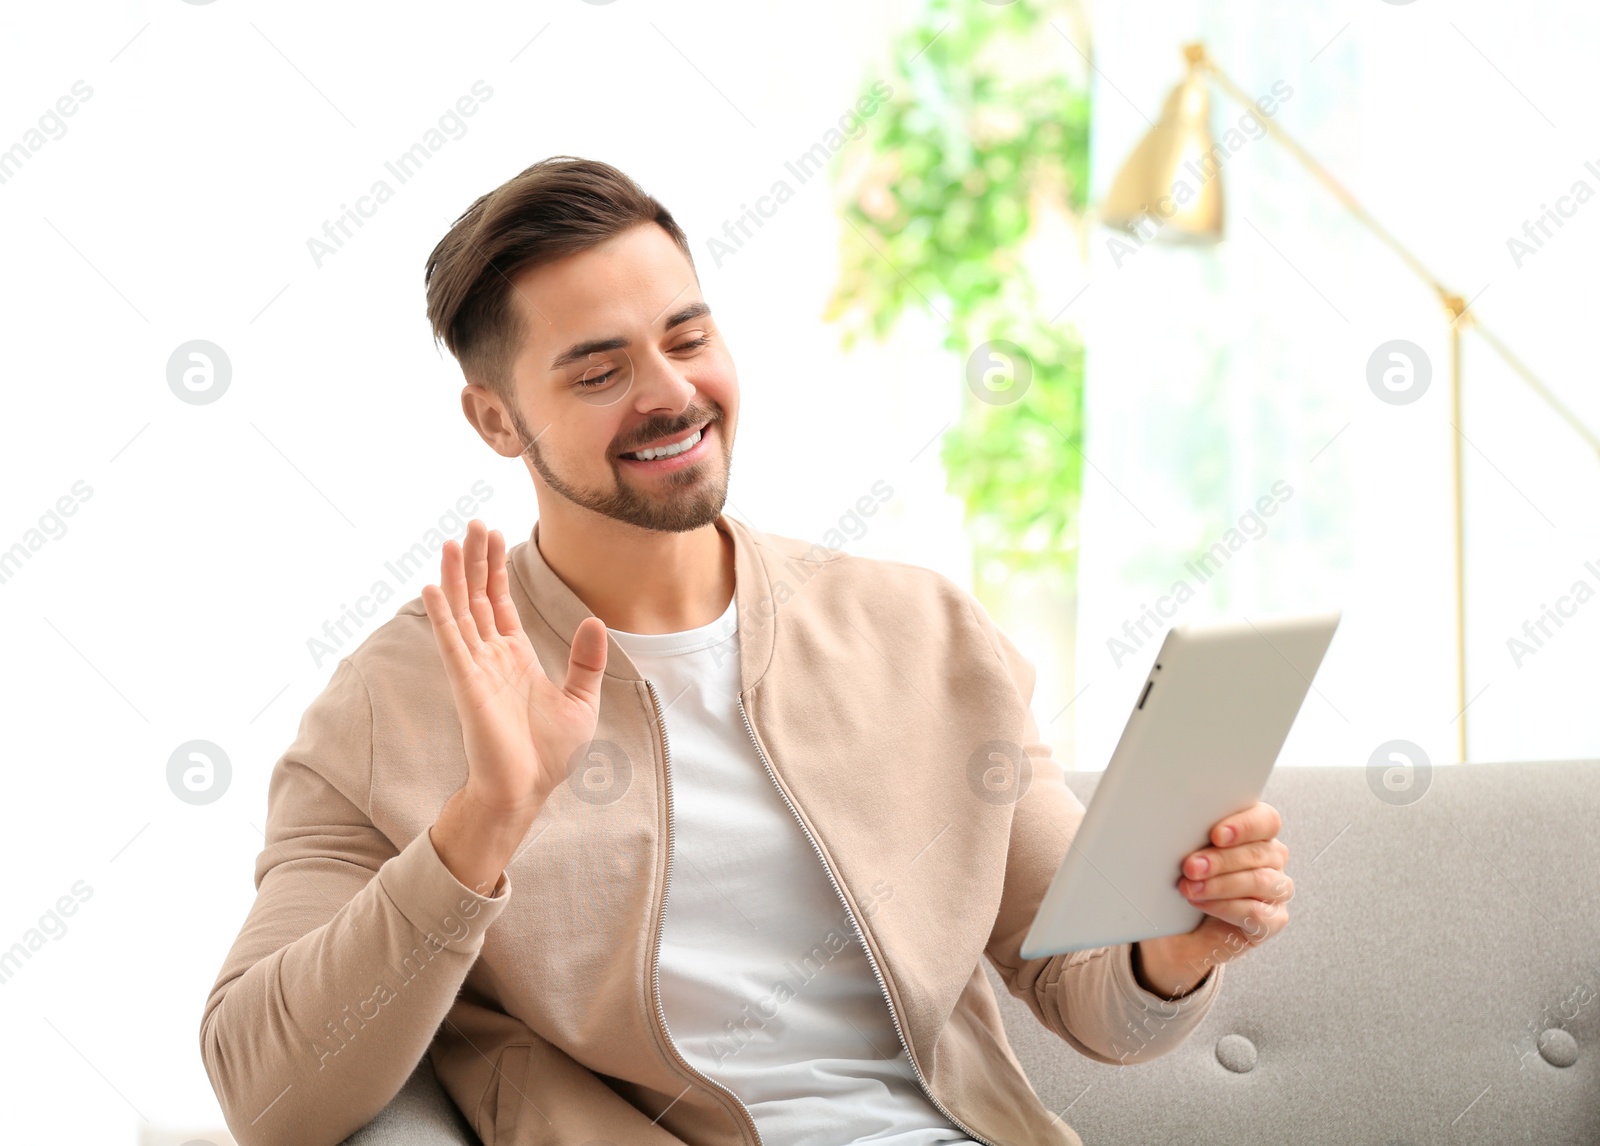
[
  {"x": 1264, "y": 883},
  {"x": 587, "y": 664},
  {"x": 458, "y": 662},
  {"x": 506, "y": 620},
  {"x": 476, "y": 557},
  {"x": 1215, "y": 861},
  {"x": 453, "y": 580},
  {"x": 1258, "y": 920},
  {"x": 1257, "y": 822}
]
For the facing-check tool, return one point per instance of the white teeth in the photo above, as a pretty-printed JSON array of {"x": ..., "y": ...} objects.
[{"x": 668, "y": 451}]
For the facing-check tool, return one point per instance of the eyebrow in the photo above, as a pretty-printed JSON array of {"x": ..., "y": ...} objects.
[{"x": 581, "y": 350}]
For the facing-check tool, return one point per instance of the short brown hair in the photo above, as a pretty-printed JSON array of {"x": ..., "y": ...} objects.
[{"x": 557, "y": 207}]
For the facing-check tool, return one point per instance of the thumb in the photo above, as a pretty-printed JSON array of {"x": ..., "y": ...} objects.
[{"x": 587, "y": 664}]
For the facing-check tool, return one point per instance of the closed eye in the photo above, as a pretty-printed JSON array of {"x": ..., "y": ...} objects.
[{"x": 601, "y": 380}]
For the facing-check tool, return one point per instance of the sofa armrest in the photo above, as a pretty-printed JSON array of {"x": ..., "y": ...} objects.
[{"x": 421, "y": 1114}]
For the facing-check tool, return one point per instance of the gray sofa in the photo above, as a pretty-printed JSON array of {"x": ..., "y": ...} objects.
[{"x": 1439, "y": 982}]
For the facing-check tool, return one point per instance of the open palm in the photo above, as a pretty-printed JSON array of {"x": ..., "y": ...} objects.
[{"x": 520, "y": 729}]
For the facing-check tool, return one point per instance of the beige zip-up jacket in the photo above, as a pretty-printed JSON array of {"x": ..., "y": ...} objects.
[{"x": 893, "y": 716}]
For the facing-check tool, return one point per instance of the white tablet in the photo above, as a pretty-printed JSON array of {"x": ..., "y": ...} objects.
[{"x": 1199, "y": 745}]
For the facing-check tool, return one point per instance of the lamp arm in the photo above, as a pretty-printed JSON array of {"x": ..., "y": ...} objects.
[
  {"x": 1322, "y": 174},
  {"x": 1539, "y": 387},
  {"x": 1198, "y": 56}
]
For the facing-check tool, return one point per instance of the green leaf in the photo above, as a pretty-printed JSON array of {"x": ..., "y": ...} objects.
[{"x": 949, "y": 169}]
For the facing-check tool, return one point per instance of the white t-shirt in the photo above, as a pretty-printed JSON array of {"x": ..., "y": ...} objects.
[{"x": 764, "y": 982}]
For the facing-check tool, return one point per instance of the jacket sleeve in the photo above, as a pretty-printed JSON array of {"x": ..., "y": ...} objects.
[
  {"x": 350, "y": 956},
  {"x": 1088, "y": 998}
]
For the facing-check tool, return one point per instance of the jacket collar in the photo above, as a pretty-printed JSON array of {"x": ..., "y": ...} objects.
[{"x": 562, "y": 610}]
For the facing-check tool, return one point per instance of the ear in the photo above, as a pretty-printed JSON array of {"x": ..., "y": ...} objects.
[{"x": 485, "y": 411}]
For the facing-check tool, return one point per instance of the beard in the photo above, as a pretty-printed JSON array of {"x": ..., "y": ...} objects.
[{"x": 688, "y": 498}]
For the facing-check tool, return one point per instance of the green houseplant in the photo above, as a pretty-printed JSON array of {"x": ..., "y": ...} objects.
[{"x": 985, "y": 130}]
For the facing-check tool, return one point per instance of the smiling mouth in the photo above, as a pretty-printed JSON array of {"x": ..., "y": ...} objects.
[{"x": 671, "y": 449}]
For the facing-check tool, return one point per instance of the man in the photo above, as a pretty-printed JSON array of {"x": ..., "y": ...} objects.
[{"x": 765, "y": 807}]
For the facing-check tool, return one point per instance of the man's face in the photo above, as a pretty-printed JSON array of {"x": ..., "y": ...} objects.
[{"x": 622, "y": 355}]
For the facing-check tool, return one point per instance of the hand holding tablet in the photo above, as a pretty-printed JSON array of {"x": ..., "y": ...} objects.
[
  {"x": 1196, "y": 751},
  {"x": 1241, "y": 886}
]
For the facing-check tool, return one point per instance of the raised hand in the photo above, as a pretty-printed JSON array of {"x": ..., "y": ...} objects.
[{"x": 520, "y": 729}]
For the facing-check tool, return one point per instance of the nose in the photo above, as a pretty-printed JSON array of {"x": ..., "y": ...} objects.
[{"x": 659, "y": 383}]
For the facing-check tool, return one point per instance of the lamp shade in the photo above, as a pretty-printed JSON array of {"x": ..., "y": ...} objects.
[{"x": 1170, "y": 188}]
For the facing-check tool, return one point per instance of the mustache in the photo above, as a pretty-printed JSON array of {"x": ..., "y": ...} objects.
[{"x": 655, "y": 433}]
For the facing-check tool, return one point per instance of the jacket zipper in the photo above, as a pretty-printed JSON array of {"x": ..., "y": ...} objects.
[
  {"x": 865, "y": 947},
  {"x": 655, "y": 954}
]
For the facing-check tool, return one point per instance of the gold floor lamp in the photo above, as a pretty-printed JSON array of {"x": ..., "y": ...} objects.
[{"x": 1146, "y": 182}]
